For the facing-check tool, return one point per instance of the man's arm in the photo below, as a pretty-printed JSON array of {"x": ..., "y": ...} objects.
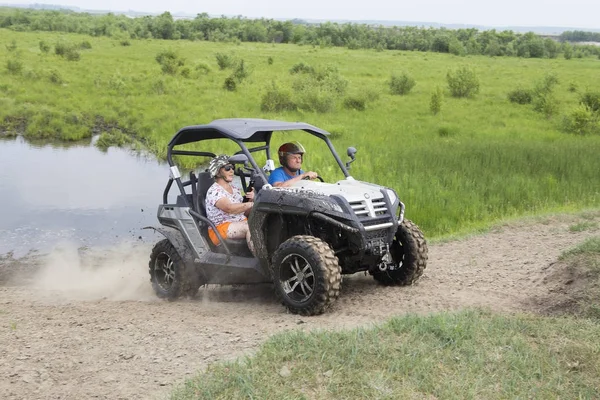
[{"x": 290, "y": 182}]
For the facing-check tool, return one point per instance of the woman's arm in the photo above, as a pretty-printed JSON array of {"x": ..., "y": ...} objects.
[{"x": 232, "y": 208}]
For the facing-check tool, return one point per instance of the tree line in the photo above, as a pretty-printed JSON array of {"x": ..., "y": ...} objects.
[{"x": 239, "y": 29}]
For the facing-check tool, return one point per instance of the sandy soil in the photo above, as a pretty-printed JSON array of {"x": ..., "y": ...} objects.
[{"x": 89, "y": 326}]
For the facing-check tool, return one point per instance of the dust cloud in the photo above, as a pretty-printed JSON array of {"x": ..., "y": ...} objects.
[{"x": 113, "y": 273}]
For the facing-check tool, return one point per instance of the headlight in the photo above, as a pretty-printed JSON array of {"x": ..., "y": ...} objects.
[{"x": 392, "y": 195}]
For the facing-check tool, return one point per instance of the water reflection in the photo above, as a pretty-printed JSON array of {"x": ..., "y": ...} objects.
[{"x": 51, "y": 192}]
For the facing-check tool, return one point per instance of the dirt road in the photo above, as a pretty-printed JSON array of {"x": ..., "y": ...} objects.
[{"x": 75, "y": 332}]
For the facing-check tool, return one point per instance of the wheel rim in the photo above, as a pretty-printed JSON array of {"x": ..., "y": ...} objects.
[
  {"x": 297, "y": 278},
  {"x": 164, "y": 271}
]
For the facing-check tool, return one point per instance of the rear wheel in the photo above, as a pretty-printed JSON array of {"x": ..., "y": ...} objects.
[
  {"x": 409, "y": 252},
  {"x": 306, "y": 274},
  {"x": 169, "y": 275}
]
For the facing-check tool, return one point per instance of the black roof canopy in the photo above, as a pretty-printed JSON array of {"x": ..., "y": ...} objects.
[{"x": 244, "y": 129}]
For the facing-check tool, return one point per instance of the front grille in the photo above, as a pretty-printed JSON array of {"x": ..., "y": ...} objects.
[{"x": 367, "y": 209}]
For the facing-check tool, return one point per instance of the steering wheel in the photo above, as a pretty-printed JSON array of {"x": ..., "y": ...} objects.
[{"x": 306, "y": 178}]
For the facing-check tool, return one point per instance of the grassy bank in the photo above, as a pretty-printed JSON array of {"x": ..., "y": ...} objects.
[
  {"x": 471, "y": 354},
  {"x": 479, "y": 160}
]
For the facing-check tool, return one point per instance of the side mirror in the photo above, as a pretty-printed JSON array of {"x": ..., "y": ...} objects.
[
  {"x": 238, "y": 159},
  {"x": 352, "y": 154}
]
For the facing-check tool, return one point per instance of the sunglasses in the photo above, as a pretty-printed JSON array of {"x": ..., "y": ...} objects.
[{"x": 228, "y": 168}]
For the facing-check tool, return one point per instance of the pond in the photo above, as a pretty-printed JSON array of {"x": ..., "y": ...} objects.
[{"x": 55, "y": 192}]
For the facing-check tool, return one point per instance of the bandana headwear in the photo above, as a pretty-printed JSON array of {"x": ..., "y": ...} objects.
[{"x": 217, "y": 163}]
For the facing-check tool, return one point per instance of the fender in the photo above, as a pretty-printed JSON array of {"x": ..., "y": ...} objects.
[{"x": 177, "y": 240}]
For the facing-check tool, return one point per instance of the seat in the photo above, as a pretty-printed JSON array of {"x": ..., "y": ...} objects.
[{"x": 236, "y": 246}]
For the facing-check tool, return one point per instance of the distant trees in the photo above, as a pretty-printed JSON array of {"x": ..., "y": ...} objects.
[{"x": 353, "y": 36}]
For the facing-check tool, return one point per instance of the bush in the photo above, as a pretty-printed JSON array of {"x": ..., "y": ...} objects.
[
  {"x": 591, "y": 100},
  {"x": 165, "y": 56},
  {"x": 241, "y": 72},
  {"x": 520, "y": 96},
  {"x": 230, "y": 84},
  {"x": 573, "y": 87},
  {"x": 67, "y": 51},
  {"x": 224, "y": 61},
  {"x": 437, "y": 101},
  {"x": 203, "y": 68},
  {"x": 401, "y": 84},
  {"x": 546, "y": 104},
  {"x": 319, "y": 100},
  {"x": 270, "y": 61},
  {"x": 14, "y": 66},
  {"x": 301, "y": 68},
  {"x": 85, "y": 45},
  {"x": 55, "y": 77},
  {"x": 44, "y": 47},
  {"x": 463, "y": 82},
  {"x": 12, "y": 46},
  {"x": 581, "y": 121},
  {"x": 185, "y": 72},
  {"x": 72, "y": 54},
  {"x": 544, "y": 100},
  {"x": 276, "y": 100},
  {"x": 355, "y": 103},
  {"x": 125, "y": 42}
]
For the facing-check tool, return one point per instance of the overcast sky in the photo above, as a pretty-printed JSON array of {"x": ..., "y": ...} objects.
[{"x": 563, "y": 13}]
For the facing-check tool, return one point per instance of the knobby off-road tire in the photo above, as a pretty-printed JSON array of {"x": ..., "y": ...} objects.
[
  {"x": 169, "y": 275},
  {"x": 409, "y": 252},
  {"x": 306, "y": 274}
]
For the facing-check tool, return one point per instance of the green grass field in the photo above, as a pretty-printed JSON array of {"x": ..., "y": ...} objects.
[{"x": 479, "y": 160}]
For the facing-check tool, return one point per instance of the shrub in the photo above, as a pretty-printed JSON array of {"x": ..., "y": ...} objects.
[
  {"x": 355, "y": 103},
  {"x": 581, "y": 121},
  {"x": 275, "y": 100},
  {"x": 44, "y": 47},
  {"x": 447, "y": 131},
  {"x": 241, "y": 72},
  {"x": 230, "y": 84},
  {"x": 572, "y": 87},
  {"x": 12, "y": 46},
  {"x": 224, "y": 61},
  {"x": 520, "y": 96},
  {"x": 591, "y": 100},
  {"x": 463, "y": 82},
  {"x": 437, "y": 100},
  {"x": 301, "y": 68},
  {"x": 165, "y": 56},
  {"x": 203, "y": 68},
  {"x": 85, "y": 45},
  {"x": 170, "y": 67},
  {"x": 318, "y": 100},
  {"x": 125, "y": 42},
  {"x": 159, "y": 87},
  {"x": 401, "y": 84},
  {"x": 270, "y": 61},
  {"x": 185, "y": 72},
  {"x": 14, "y": 66},
  {"x": 72, "y": 54},
  {"x": 546, "y": 104},
  {"x": 544, "y": 100},
  {"x": 55, "y": 77}
]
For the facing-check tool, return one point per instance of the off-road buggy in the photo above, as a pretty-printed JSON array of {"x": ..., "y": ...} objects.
[{"x": 305, "y": 237}]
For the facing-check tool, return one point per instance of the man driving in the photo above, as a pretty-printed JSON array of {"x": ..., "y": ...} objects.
[{"x": 290, "y": 172}]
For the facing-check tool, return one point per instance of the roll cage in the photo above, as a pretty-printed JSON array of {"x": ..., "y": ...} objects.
[{"x": 240, "y": 131}]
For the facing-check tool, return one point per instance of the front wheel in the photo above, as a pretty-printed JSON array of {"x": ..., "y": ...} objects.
[
  {"x": 306, "y": 274},
  {"x": 169, "y": 275},
  {"x": 409, "y": 253}
]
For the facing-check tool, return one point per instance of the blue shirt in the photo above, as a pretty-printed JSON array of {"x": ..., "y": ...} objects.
[{"x": 279, "y": 175}]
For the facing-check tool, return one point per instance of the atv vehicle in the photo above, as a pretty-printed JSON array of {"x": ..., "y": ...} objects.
[{"x": 305, "y": 236}]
